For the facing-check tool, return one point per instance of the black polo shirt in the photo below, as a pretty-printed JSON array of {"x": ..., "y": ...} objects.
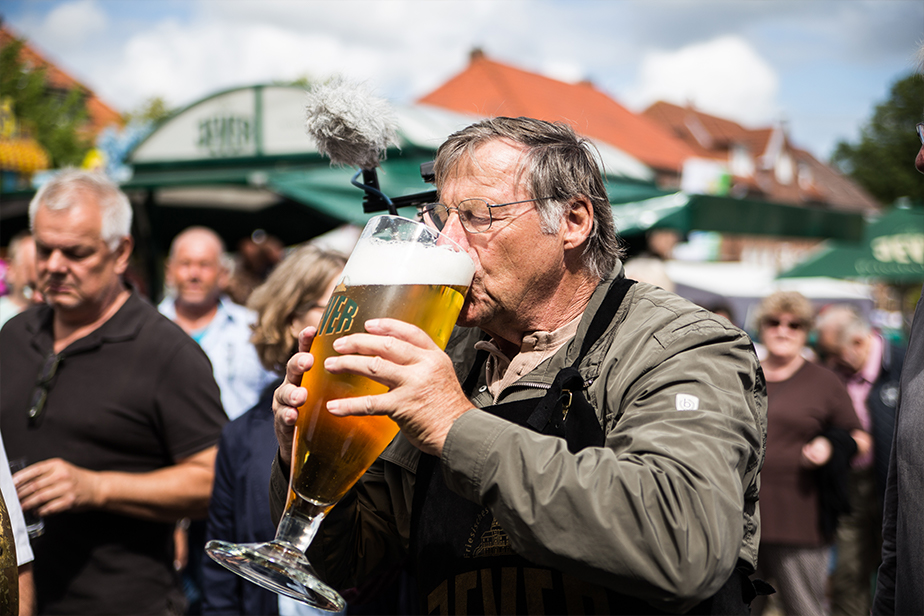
[{"x": 135, "y": 395}]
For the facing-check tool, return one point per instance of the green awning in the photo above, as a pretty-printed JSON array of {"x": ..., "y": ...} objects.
[
  {"x": 329, "y": 191},
  {"x": 892, "y": 250},
  {"x": 685, "y": 212}
]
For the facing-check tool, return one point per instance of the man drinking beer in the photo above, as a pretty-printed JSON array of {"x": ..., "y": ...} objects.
[{"x": 586, "y": 445}]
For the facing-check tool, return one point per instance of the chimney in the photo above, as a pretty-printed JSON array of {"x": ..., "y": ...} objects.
[{"x": 477, "y": 53}]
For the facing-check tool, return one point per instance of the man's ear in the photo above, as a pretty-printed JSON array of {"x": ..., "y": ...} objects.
[
  {"x": 123, "y": 253},
  {"x": 578, "y": 222},
  {"x": 224, "y": 277}
]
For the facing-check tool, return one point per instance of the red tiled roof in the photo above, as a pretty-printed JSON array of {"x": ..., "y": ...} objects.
[
  {"x": 709, "y": 136},
  {"x": 712, "y": 137},
  {"x": 101, "y": 114},
  {"x": 488, "y": 88}
]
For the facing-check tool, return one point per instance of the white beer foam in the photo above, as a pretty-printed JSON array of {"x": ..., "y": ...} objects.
[{"x": 393, "y": 263}]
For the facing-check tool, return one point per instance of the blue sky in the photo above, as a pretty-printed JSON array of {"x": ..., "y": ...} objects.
[{"x": 820, "y": 65}]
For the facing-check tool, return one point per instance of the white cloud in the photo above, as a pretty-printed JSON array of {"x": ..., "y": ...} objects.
[
  {"x": 240, "y": 45},
  {"x": 715, "y": 53},
  {"x": 725, "y": 77},
  {"x": 569, "y": 72},
  {"x": 72, "y": 24}
]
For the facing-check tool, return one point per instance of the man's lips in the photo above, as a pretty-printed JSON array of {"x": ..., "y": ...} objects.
[{"x": 56, "y": 288}]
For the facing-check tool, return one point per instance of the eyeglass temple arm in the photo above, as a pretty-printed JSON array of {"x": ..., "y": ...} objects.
[{"x": 377, "y": 201}]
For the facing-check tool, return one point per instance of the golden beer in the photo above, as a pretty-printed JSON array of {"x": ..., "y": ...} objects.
[
  {"x": 331, "y": 453},
  {"x": 426, "y": 288}
]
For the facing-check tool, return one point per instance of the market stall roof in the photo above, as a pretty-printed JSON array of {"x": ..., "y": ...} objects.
[
  {"x": 246, "y": 135},
  {"x": 891, "y": 250},
  {"x": 686, "y": 212}
]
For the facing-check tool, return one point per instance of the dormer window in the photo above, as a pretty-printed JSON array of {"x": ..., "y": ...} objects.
[
  {"x": 740, "y": 161},
  {"x": 806, "y": 177},
  {"x": 783, "y": 169}
]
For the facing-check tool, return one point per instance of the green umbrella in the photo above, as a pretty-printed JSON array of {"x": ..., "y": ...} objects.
[{"x": 892, "y": 250}]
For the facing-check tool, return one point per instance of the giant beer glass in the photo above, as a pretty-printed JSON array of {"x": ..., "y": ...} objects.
[{"x": 400, "y": 269}]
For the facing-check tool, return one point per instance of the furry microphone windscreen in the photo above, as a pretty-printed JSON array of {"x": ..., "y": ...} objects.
[{"x": 349, "y": 124}]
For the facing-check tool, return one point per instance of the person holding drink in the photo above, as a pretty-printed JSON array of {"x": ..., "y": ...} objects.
[
  {"x": 399, "y": 269},
  {"x": 112, "y": 406},
  {"x": 586, "y": 445}
]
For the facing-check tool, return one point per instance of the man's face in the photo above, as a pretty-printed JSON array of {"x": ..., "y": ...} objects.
[
  {"x": 517, "y": 266},
  {"x": 848, "y": 357},
  {"x": 21, "y": 274},
  {"x": 195, "y": 270},
  {"x": 77, "y": 272}
]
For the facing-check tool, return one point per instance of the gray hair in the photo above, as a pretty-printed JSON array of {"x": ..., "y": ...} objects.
[
  {"x": 844, "y": 320},
  {"x": 12, "y": 251},
  {"x": 559, "y": 165},
  {"x": 65, "y": 189}
]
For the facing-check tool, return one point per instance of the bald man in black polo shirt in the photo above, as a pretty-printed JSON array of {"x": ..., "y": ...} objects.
[{"x": 114, "y": 408}]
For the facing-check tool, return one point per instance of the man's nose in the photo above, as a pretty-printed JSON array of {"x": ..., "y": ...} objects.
[
  {"x": 454, "y": 230},
  {"x": 56, "y": 262}
]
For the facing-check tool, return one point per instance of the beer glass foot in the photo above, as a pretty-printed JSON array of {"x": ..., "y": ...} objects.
[{"x": 278, "y": 567}]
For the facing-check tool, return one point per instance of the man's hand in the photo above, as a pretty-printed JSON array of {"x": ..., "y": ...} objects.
[
  {"x": 54, "y": 486},
  {"x": 164, "y": 495},
  {"x": 816, "y": 452},
  {"x": 864, "y": 442},
  {"x": 424, "y": 396},
  {"x": 291, "y": 395}
]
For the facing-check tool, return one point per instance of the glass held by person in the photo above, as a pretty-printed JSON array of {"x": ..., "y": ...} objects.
[{"x": 400, "y": 269}]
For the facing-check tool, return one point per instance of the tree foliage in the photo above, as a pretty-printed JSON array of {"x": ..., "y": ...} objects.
[
  {"x": 154, "y": 110},
  {"x": 51, "y": 116},
  {"x": 883, "y": 160}
]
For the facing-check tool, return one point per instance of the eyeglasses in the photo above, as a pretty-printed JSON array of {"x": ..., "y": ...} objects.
[
  {"x": 793, "y": 325},
  {"x": 42, "y": 387},
  {"x": 920, "y": 129},
  {"x": 474, "y": 214}
]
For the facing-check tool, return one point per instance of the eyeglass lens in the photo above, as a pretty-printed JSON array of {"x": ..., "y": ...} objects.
[{"x": 474, "y": 214}]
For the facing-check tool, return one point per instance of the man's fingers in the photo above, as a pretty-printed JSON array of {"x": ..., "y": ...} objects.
[
  {"x": 305, "y": 338},
  {"x": 33, "y": 471},
  {"x": 298, "y": 365},
  {"x": 392, "y": 349},
  {"x": 45, "y": 488},
  {"x": 289, "y": 396},
  {"x": 400, "y": 330},
  {"x": 289, "y": 417},
  {"x": 362, "y": 405},
  {"x": 375, "y": 368}
]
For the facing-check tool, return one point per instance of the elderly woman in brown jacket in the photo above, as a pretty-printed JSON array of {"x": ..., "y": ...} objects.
[{"x": 805, "y": 399}]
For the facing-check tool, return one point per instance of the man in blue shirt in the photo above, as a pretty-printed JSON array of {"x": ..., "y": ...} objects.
[{"x": 197, "y": 275}]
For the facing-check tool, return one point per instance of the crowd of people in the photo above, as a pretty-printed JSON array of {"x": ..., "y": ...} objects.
[{"x": 699, "y": 472}]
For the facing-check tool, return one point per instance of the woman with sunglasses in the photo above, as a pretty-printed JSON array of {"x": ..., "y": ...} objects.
[{"x": 809, "y": 416}]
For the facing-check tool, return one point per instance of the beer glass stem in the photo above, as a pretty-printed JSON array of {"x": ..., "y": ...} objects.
[{"x": 300, "y": 523}]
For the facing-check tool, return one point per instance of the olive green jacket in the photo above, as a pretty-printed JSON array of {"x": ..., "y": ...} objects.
[{"x": 662, "y": 512}]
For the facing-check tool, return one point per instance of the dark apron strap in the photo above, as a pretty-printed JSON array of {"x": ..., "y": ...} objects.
[{"x": 614, "y": 296}]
